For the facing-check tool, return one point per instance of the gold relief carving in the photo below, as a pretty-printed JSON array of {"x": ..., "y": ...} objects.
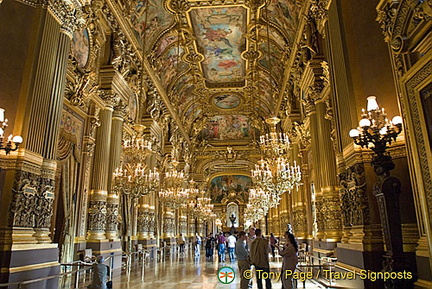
[
  {"x": 80, "y": 89},
  {"x": 33, "y": 197},
  {"x": 24, "y": 200},
  {"x": 111, "y": 99},
  {"x": 68, "y": 14},
  {"x": 44, "y": 203},
  {"x": 411, "y": 86},
  {"x": 112, "y": 216},
  {"x": 355, "y": 207},
  {"x": 97, "y": 216},
  {"x": 178, "y": 6},
  {"x": 303, "y": 132}
]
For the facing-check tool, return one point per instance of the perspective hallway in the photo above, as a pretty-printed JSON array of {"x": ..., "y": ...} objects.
[{"x": 185, "y": 273}]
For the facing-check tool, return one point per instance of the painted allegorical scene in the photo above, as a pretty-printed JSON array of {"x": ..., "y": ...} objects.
[
  {"x": 220, "y": 33},
  {"x": 80, "y": 47},
  {"x": 226, "y": 101},
  {"x": 148, "y": 19},
  {"x": 227, "y": 127},
  {"x": 285, "y": 13},
  {"x": 222, "y": 185}
]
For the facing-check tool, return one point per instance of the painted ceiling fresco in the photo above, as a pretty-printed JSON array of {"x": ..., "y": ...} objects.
[
  {"x": 285, "y": 13},
  {"x": 227, "y": 127},
  {"x": 148, "y": 25},
  {"x": 220, "y": 34},
  {"x": 169, "y": 65},
  {"x": 226, "y": 101},
  {"x": 220, "y": 187}
]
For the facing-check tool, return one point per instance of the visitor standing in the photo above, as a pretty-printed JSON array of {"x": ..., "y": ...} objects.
[
  {"x": 289, "y": 253},
  {"x": 181, "y": 242},
  {"x": 221, "y": 240},
  {"x": 273, "y": 242},
  {"x": 197, "y": 245},
  {"x": 231, "y": 243},
  {"x": 210, "y": 241},
  {"x": 259, "y": 253},
  {"x": 100, "y": 274},
  {"x": 243, "y": 259}
]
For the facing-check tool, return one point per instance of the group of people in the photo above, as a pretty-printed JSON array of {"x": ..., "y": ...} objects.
[
  {"x": 181, "y": 242},
  {"x": 253, "y": 250},
  {"x": 222, "y": 242}
]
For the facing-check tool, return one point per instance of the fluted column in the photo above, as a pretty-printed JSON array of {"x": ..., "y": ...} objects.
[
  {"x": 299, "y": 203},
  {"x": 328, "y": 173},
  {"x": 99, "y": 186},
  {"x": 113, "y": 198},
  {"x": 315, "y": 144}
]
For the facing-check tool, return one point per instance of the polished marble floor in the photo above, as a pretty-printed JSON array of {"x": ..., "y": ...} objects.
[{"x": 187, "y": 272}]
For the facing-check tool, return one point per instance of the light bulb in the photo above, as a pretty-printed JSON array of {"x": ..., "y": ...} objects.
[
  {"x": 397, "y": 120},
  {"x": 372, "y": 104},
  {"x": 17, "y": 139},
  {"x": 383, "y": 130},
  {"x": 354, "y": 133},
  {"x": 364, "y": 122}
]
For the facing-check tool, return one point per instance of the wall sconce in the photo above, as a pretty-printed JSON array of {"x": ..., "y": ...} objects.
[
  {"x": 376, "y": 132},
  {"x": 13, "y": 142}
]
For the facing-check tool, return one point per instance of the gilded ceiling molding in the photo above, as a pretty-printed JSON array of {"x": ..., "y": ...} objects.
[
  {"x": 319, "y": 12},
  {"x": 294, "y": 52},
  {"x": 403, "y": 24}
]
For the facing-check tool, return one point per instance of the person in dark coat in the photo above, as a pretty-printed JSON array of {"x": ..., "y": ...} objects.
[{"x": 100, "y": 274}]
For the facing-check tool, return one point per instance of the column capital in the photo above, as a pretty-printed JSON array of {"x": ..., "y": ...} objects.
[
  {"x": 68, "y": 14},
  {"x": 110, "y": 98}
]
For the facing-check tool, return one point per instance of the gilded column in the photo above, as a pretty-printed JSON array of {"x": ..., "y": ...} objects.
[
  {"x": 143, "y": 218},
  {"x": 113, "y": 198},
  {"x": 329, "y": 184},
  {"x": 49, "y": 165},
  {"x": 99, "y": 187},
  {"x": 315, "y": 146},
  {"x": 299, "y": 203}
]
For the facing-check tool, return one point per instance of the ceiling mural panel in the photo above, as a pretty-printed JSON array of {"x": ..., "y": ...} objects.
[
  {"x": 227, "y": 127},
  {"x": 272, "y": 62},
  {"x": 220, "y": 35},
  {"x": 285, "y": 14},
  {"x": 149, "y": 25},
  {"x": 164, "y": 42},
  {"x": 226, "y": 101},
  {"x": 221, "y": 186},
  {"x": 170, "y": 65}
]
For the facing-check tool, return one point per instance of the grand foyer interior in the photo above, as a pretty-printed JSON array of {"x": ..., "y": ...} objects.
[{"x": 141, "y": 120}]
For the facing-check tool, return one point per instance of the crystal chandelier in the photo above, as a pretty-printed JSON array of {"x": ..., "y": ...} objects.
[
  {"x": 137, "y": 146},
  {"x": 133, "y": 180},
  {"x": 276, "y": 175},
  {"x": 274, "y": 144},
  {"x": 173, "y": 195}
]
